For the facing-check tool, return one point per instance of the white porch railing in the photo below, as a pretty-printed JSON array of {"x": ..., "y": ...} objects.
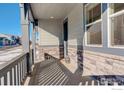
[{"x": 14, "y": 72}]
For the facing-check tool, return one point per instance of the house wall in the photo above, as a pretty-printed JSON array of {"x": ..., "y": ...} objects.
[
  {"x": 75, "y": 35},
  {"x": 96, "y": 63},
  {"x": 95, "y": 60},
  {"x": 105, "y": 48},
  {"x": 75, "y": 26},
  {"x": 50, "y": 37},
  {"x": 50, "y": 32},
  {"x": 104, "y": 60}
]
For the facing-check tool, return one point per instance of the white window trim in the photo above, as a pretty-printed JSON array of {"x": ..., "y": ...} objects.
[
  {"x": 118, "y": 46},
  {"x": 109, "y": 25},
  {"x": 99, "y": 20},
  {"x": 121, "y": 12},
  {"x": 86, "y": 25},
  {"x": 94, "y": 45}
]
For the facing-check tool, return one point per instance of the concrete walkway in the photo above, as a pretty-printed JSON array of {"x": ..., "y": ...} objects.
[{"x": 7, "y": 55}]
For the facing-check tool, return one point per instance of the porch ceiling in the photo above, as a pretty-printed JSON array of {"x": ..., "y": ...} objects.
[{"x": 47, "y": 10}]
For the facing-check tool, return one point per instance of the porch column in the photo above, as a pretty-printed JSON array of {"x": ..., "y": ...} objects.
[
  {"x": 65, "y": 27},
  {"x": 105, "y": 9},
  {"x": 65, "y": 49},
  {"x": 24, "y": 9},
  {"x": 34, "y": 43}
]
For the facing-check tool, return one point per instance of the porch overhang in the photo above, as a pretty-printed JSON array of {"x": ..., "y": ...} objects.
[{"x": 51, "y": 11}]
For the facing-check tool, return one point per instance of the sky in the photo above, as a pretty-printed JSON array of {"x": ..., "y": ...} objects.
[{"x": 10, "y": 19}]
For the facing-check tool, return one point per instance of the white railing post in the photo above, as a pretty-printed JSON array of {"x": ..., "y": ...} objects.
[{"x": 15, "y": 72}]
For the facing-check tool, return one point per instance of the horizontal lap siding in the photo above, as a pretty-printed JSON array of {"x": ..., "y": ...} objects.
[{"x": 50, "y": 32}]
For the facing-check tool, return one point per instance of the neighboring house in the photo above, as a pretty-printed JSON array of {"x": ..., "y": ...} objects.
[
  {"x": 4, "y": 40},
  {"x": 7, "y": 40}
]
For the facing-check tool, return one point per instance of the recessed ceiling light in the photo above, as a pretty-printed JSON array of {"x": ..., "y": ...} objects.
[{"x": 51, "y": 17}]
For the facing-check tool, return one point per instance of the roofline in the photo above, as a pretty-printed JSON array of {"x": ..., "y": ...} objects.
[
  {"x": 31, "y": 11},
  {"x": 35, "y": 21}
]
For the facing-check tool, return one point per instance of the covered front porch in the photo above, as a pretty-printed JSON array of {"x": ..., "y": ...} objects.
[
  {"x": 52, "y": 46},
  {"x": 56, "y": 53}
]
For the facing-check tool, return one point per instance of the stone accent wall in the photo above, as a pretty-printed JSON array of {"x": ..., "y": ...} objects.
[
  {"x": 72, "y": 53},
  {"x": 75, "y": 55},
  {"x": 93, "y": 63},
  {"x": 55, "y": 51},
  {"x": 102, "y": 64}
]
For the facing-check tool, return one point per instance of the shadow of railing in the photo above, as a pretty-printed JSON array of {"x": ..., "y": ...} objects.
[
  {"x": 48, "y": 72},
  {"x": 52, "y": 72},
  {"x": 76, "y": 78}
]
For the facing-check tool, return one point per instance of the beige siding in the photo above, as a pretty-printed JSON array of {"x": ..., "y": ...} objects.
[
  {"x": 50, "y": 32},
  {"x": 75, "y": 26}
]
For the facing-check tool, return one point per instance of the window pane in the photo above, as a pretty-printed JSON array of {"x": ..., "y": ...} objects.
[
  {"x": 116, "y": 7},
  {"x": 117, "y": 27},
  {"x": 93, "y": 13},
  {"x": 97, "y": 12},
  {"x": 94, "y": 34}
]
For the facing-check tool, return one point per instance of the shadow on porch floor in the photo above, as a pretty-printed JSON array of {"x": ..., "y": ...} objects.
[{"x": 54, "y": 73}]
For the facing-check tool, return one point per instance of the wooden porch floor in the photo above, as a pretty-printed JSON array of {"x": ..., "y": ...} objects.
[{"x": 54, "y": 73}]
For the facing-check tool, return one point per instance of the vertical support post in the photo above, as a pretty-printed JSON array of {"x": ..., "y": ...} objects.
[
  {"x": 65, "y": 49},
  {"x": 35, "y": 26},
  {"x": 24, "y": 9},
  {"x": 34, "y": 43},
  {"x": 104, "y": 24},
  {"x": 65, "y": 28}
]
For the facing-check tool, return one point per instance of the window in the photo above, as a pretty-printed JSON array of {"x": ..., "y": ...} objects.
[
  {"x": 117, "y": 24},
  {"x": 116, "y": 7},
  {"x": 94, "y": 34},
  {"x": 94, "y": 13},
  {"x": 93, "y": 24}
]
